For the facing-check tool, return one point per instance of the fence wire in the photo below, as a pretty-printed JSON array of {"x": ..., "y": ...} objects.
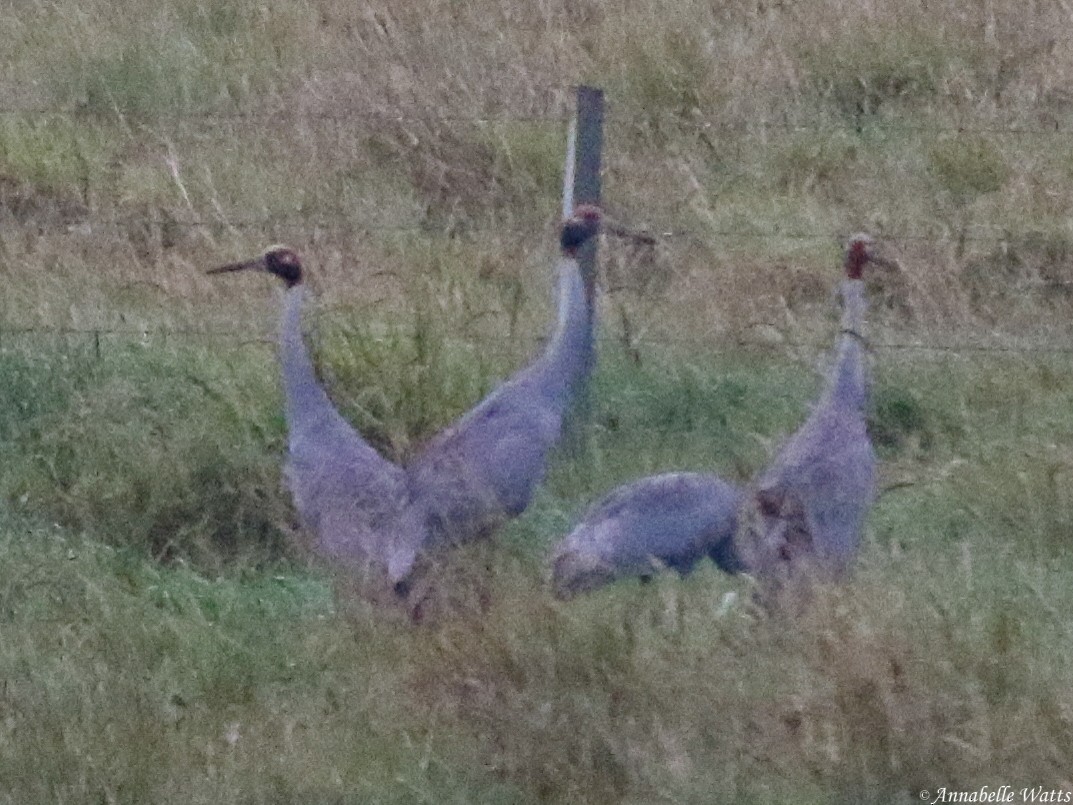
[
  {"x": 652, "y": 236},
  {"x": 556, "y": 112},
  {"x": 97, "y": 337},
  {"x": 84, "y": 224}
]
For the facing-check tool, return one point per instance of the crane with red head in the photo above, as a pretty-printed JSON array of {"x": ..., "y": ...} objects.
[
  {"x": 803, "y": 516},
  {"x": 375, "y": 518}
]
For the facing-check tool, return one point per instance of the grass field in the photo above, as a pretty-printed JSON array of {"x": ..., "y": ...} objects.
[{"x": 160, "y": 638}]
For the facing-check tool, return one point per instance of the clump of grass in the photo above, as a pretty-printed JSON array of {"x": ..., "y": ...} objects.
[
  {"x": 899, "y": 420},
  {"x": 143, "y": 80},
  {"x": 403, "y": 382},
  {"x": 59, "y": 163},
  {"x": 692, "y": 416},
  {"x": 39, "y": 384},
  {"x": 813, "y": 159},
  {"x": 665, "y": 77},
  {"x": 632, "y": 693},
  {"x": 529, "y": 158},
  {"x": 400, "y": 387},
  {"x": 967, "y": 167},
  {"x": 1022, "y": 273},
  {"x": 1025, "y": 495},
  {"x": 186, "y": 59},
  {"x": 464, "y": 171},
  {"x": 862, "y": 70},
  {"x": 113, "y": 451}
]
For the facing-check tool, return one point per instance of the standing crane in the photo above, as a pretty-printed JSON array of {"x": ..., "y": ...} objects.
[
  {"x": 803, "y": 516},
  {"x": 670, "y": 520},
  {"x": 483, "y": 469},
  {"x": 367, "y": 514},
  {"x": 354, "y": 503}
]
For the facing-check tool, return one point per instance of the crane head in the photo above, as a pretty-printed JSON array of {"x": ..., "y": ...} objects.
[
  {"x": 861, "y": 250},
  {"x": 279, "y": 260},
  {"x": 582, "y": 224},
  {"x": 578, "y": 571}
]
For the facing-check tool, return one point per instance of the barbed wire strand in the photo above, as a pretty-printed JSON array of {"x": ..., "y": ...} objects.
[
  {"x": 268, "y": 339},
  {"x": 649, "y": 237},
  {"x": 856, "y": 124},
  {"x": 84, "y": 225}
]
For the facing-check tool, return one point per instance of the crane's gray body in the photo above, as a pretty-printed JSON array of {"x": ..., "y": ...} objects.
[
  {"x": 370, "y": 515},
  {"x": 672, "y": 520},
  {"x": 355, "y": 503},
  {"x": 484, "y": 469},
  {"x": 807, "y": 510}
]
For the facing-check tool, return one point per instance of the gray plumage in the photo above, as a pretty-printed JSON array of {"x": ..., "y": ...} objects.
[
  {"x": 672, "y": 520},
  {"x": 804, "y": 514},
  {"x": 374, "y": 518},
  {"x": 484, "y": 469},
  {"x": 354, "y": 503}
]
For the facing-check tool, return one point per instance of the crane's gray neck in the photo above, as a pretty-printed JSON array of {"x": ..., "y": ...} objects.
[
  {"x": 568, "y": 359},
  {"x": 849, "y": 378},
  {"x": 304, "y": 394},
  {"x": 310, "y": 412}
]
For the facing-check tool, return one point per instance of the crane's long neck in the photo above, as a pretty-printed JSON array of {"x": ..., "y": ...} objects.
[
  {"x": 300, "y": 386},
  {"x": 312, "y": 419},
  {"x": 306, "y": 401},
  {"x": 568, "y": 359},
  {"x": 849, "y": 378}
]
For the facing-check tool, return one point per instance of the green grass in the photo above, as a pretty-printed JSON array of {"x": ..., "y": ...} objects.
[
  {"x": 106, "y": 444},
  {"x": 221, "y": 675},
  {"x": 160, "y": 638}
]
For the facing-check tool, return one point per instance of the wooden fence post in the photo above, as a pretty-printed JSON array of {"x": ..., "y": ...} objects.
[{"x": 581, "y": 185}]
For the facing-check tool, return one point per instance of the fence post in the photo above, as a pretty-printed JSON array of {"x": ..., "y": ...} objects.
[{"x": 581, "y": 185}]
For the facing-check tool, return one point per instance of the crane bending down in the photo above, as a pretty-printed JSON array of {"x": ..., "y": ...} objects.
[
  {"x": 483, "y": 470},
  {"x": 803, "y": 516},
  {"x": 671, "y": 520},
  {"x": 374, "y": 517}
]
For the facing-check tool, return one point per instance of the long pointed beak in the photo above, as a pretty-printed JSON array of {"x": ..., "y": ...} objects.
[
  {"x": 256, "y": 263},
  {"x": 633, "y": 235},
  {"x": 885, "y": 262},
  {"x": 619, "y": 229}
]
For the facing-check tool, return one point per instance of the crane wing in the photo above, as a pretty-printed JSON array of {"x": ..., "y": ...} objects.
[
  {"x": 484, "y": 469},
  {"x": 814, "y": 498},
  {"x": 672, "y": 520},
  {"x": 352, "y": 499}
]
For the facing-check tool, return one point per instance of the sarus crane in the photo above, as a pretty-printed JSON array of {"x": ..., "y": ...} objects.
[
  {"x": 371, "y": 517},
  {"x": 484, "y": 469},
  {"x": 352, "y": 501},
  {"x": 671, "y": 520},
  {"x": 803, "y": 516}
]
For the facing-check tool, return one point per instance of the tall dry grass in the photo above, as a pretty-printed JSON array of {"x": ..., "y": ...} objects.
[
  {"x": 764, "y": 132},
  {"x": 412, "y": 152}
]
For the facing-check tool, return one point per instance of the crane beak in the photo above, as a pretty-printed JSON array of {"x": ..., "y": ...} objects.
[
  {"x": 636, "y": 236},
  {"x": 256, "y": 263},
  {"x": 885, "y": 262},
  {"x": 614, "y": 226}
]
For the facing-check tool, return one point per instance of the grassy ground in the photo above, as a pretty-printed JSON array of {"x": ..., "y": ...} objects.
[
  {"x": 159, "y": 638},
  {"x": 945, "y": 661}
]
